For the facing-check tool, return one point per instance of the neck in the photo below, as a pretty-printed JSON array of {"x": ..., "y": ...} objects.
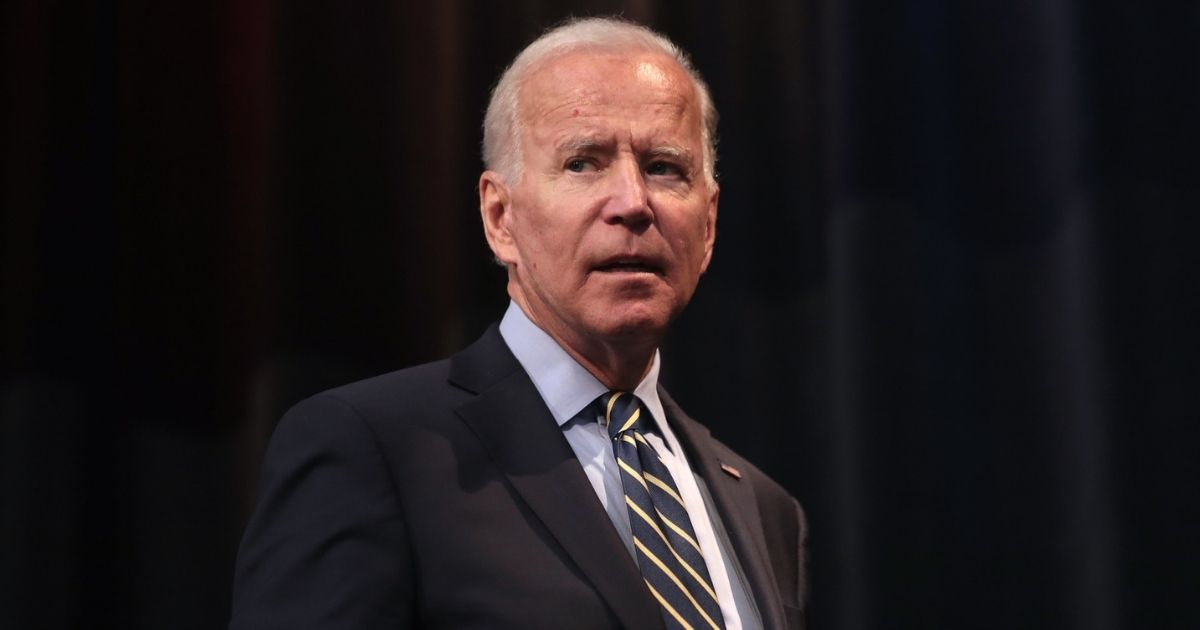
[
  {"x": 620, "y": 364},
  {"x": 618, "y": 368}
]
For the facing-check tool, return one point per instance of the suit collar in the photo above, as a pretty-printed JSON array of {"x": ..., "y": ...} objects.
[
  {"x": 483, "y": 363},
  {"x": 522, "y": 438},
  {"x": 738, "y": 506}
]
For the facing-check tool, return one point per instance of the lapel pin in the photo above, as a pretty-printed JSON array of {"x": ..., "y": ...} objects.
[{"x": 731, "y": 471}]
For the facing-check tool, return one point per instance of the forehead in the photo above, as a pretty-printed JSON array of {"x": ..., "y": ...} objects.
[{"x": 588, "y": 86}]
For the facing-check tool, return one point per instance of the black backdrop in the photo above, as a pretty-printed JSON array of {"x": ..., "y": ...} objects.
[{"x": 952, "y": 306}]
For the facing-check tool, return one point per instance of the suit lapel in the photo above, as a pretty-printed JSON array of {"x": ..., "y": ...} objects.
[
  {"x": 511, "y": 420},
  {"x": 738, "y": 507}
]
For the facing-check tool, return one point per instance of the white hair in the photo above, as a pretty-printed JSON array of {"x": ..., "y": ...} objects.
[{"x": 502, "y": 123}]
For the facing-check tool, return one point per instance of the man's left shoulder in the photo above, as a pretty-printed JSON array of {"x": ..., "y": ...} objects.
[
  {"x": 757, "y": 506},
  {"x": 727, "y": 460},
  {"x": 742, "y": 469}
]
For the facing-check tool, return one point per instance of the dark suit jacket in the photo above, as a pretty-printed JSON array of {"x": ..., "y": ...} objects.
[{"x": 445, "y": 495}]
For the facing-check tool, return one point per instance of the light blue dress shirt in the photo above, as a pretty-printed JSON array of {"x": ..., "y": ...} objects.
[{"x": 569, "y": 390}]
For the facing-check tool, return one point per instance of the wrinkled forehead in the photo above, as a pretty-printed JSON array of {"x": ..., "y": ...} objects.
[{"x": 584, "y": 78}]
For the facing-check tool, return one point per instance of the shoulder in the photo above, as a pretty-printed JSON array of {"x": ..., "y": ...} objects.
[
  {"x": 743, "y": 488},
  {"x": 359, "y": 409},
  {"x": 391, "y": 406},
  {"x": 410, "y": 388},
  {"x": 771, "y": 496},
  {"x": 769, "y": 492},
  {"x": 383, "y": 407}
]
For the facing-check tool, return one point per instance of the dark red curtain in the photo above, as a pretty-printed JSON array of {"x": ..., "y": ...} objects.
[{"x": 953, "y": 305}]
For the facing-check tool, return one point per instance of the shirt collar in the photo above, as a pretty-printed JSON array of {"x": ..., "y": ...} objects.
[{"x": 566, "y": 386}]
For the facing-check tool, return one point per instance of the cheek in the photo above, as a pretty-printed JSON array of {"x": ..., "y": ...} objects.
[
  {"x": 688, "y": 237},
  {"x": 556, "y": 236},
  {"x": 548, "y": 249},
  {"x": 532, "y": 233}
]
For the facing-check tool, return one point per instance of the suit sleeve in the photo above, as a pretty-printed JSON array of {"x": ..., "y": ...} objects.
[{"x": 326, "y": 546}]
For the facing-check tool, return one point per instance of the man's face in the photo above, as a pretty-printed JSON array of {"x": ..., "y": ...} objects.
[{"x": 613, "y": 219}]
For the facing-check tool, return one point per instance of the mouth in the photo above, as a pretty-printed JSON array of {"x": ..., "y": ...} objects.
[{"x": 633, "y": 264}]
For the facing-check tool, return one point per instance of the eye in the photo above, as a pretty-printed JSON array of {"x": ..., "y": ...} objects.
[
  {"x": 579, "y": 165},
  {"x": 664, "y": 169}
]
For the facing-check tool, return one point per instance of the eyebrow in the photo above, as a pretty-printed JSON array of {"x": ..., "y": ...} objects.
[
  {"x": 581, "y": 143},
  {"x": 587, "y": 144},
  {"x": 671, "y": 151}
]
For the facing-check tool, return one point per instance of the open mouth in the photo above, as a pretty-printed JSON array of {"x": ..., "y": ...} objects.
[{"x": 630, "y": 266}]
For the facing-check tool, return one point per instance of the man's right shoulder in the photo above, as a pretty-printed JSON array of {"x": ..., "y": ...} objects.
[
  {"x": 405, "y": 396},
  {"x": 404, "y": 383},
  {"x": 420, "y": 396}
]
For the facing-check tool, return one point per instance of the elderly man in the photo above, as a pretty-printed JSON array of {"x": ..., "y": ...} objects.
[{"x": 541, "y": 478}]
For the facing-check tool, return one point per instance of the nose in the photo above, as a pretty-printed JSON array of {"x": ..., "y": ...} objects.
[{"x": 629, "y": 202}]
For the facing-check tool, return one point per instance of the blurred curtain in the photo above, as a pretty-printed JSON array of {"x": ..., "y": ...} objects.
[{"x": 952, "y": 308}]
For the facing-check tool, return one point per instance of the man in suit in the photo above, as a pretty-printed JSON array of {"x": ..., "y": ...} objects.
[{"x": 541, "y": 478}]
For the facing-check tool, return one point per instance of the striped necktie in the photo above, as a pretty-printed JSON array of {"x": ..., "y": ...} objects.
[{"x": 665, "y": 544}]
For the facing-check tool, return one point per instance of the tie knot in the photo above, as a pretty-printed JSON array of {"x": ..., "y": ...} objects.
[{"x": 622, "y": 412}]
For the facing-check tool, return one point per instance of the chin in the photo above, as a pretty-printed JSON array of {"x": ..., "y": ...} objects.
[{"x": 633, "y": 323}]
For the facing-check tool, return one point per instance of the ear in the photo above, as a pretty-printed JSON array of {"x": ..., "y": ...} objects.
[
  {"x": 495, "y": 207},
  {"x": 710, "y": 227}
]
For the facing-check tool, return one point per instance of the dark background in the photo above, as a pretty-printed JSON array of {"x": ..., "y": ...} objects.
[{"x": 953, "y": 305}]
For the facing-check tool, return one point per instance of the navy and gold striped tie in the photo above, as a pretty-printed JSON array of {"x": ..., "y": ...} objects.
[{"x": 666, "y": 547}]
